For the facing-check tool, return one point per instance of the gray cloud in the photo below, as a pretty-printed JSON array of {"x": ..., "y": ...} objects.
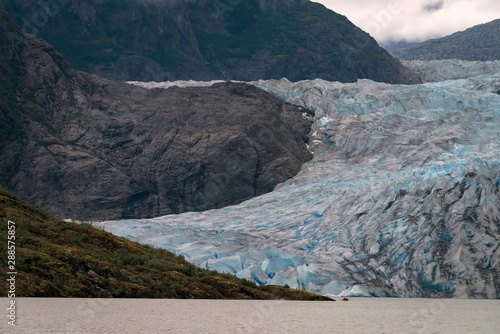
[
  {"x": 414, "y": 20},
  {"x": 433, "y": 6}
]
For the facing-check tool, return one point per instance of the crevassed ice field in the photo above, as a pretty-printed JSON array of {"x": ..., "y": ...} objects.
[{"x": 401, "y": 198}]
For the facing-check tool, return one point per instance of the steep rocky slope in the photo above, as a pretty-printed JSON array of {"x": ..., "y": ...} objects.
[
  {"x": 480, "y": 43},
  {"x": 206, "y": 39},
  {"x": 92, "y": 148}
]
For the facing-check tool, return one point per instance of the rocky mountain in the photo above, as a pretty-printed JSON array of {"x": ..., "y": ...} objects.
[
  {"x": 206, "y": 39},
  {"x": 479, "y": 43},
  {"x": 86, "y": 147},
  {"x": 56, "y": 258},
  {"x": 401, "y": 199}
]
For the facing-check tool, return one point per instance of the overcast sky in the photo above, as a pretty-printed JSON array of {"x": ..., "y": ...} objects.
[{"x": 414, "y": 20}]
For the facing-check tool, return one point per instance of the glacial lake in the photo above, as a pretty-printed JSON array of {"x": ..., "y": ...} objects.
[{"x": 358, "y": 315}]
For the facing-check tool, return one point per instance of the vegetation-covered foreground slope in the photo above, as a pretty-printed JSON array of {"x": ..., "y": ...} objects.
[{"x": 55, "y": 258}]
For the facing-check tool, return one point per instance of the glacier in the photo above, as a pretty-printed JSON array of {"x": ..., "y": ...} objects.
[
  {"x": 450, "y": 69},
  {"x": 402, "y": 197}
]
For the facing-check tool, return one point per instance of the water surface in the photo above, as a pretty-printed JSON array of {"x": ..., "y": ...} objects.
[{"x": 358, "y": 315}]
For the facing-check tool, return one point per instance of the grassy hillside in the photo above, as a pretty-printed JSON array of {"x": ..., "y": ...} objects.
[{"x": 55, "y": 258}]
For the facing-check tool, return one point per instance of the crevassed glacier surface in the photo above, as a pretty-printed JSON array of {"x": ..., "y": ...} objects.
[
  {"x": 401, "y": 198},
  {"x": 450, "y": 69}
]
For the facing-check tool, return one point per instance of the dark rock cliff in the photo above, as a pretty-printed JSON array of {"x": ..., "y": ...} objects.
[
  {"x": 208, "y": 39},
  {"x": 481, "y": 42},
  {"x": 92, "y": 148}
]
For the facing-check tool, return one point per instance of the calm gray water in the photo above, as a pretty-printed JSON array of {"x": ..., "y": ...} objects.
[{"x": 358, "y": 315}]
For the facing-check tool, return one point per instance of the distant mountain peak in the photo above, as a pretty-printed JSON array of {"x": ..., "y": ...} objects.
[{"x": 481, "y": 42}]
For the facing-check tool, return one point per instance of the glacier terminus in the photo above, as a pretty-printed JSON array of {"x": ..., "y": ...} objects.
[{"x": 402, "y": 197}]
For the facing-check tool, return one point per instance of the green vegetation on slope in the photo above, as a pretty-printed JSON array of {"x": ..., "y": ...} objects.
[{"x": 55, "y": 258}]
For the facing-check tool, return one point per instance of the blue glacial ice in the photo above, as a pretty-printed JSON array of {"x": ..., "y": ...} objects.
[
  {"x": 402, "y": 197},
  {"x": 451, "y": 69}
]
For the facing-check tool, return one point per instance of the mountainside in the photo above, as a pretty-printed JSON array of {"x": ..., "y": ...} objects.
[
  {"x": 401, "y": 199},
  {"x": 206, "y": 39},
  {"x": 479, "y": 43},
  {"x": 55, "y": 258},
  {"x": 84, "y": 147}
]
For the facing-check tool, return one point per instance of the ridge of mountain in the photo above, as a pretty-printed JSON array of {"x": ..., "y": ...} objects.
[
  {"x": 478, "y": 43},
  {"x": 208, "y": 40}
]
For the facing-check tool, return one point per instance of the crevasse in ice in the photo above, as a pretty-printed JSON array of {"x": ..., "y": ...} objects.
[{"x": 401, "y": 198}]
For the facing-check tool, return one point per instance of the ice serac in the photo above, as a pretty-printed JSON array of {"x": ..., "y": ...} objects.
[{"x": 402, "y": 197}]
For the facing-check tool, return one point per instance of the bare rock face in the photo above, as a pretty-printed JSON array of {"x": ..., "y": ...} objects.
[{"x": 91, "y": 148}]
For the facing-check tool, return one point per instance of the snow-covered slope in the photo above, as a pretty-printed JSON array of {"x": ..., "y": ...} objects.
[{"x": 401, "y": 199}]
